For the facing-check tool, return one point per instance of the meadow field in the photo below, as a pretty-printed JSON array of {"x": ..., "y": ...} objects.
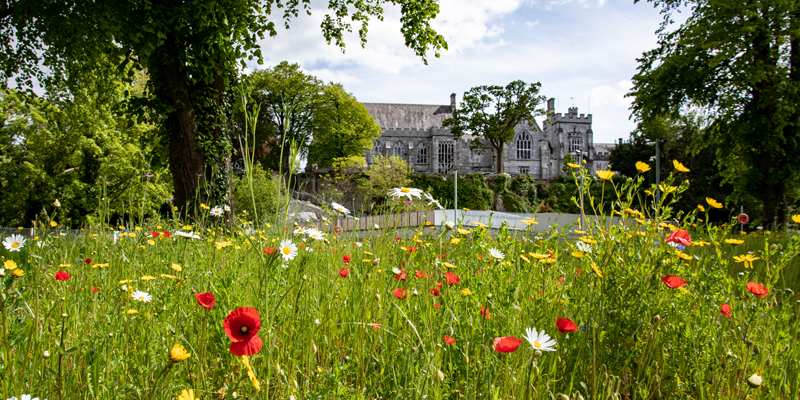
[{"x": 659, "y": 306}]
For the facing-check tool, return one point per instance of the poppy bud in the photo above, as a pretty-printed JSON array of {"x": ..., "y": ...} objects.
[
  {"x": 294, "y": 383},
  {"x": 790, "y": 291},
  {"x": 489, "y": 296},
  {"x": 656, "y": 319},
  {"x": 537, "y": 354},
  {"x": 314, "y": 348},
  {"x": 378, "y": 296},
  {"x": 562, "y": 396},
  {"x": 63, "y": 315},
  {"x": 748, "y": 342},
  {"x": 580, "y": 397},
  {"x": 756, "y": 350},
  {"x": 664, "y": 329},
  {"x": 657, "y": 394},
  {"x": 440, "y": 375},
  {"x": 754, "y": 381},
  {"x": 376, "y": 261},
  {"x": 450, "y": 331},
  {"x": 535, "y": 370},
  {"x": 466, "y": 359}
]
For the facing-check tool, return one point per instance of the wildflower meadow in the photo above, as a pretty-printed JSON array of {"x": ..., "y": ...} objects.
[{"x": 637, "y": 303}]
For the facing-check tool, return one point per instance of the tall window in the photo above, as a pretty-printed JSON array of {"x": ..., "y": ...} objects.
[
  {"x": 400, "y": 150},
  {"x": 446, "y": 152},
  {"x": 422, "y": 153},
  {"x": 524, "y": 146},
  {"x": 376, "y": 149},
  {"x": 525, "y": 170},
  {"x": 575, "y": 143}
]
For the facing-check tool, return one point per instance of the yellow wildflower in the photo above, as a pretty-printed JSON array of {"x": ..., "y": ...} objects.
[
  {"x": 587, "y": 240},
  {"x": 747, "y": 259},
  {"x": 18, "y": 272},
  {"x": 178, "y": 353},
  {"x": 479, "y": 224},
  {"x": 462, "y": 231},
  {"x": 176, "y": 267},
  {"x": 796, "y": 218},
  {"x": 734, "y": 241},
  {"x": 524, "y": 258},
  {"x": 53, "y": 224},
  {"x": 187, "y": 394},
  {"x": 713, "y": 203},
  {"x": 683, "y": 256},
  {"x": 647, "y": 192},
  {"x": 539, "y": 256},
  {"x": 667, "y": 189},
  {"x": 642, "y": 167},
  {"x": 168, "y": 276},
  {"x": 147, "y": 278},
  {"x": 250, "y": 373},
  {"x": 573, "y": 166},
  {"x": 151, "y": 242},
  {"x": 577, "y": 254},
  {"x": 466, "y": 292},
  {"x": 9, "y": 265},
  {"x": 528, "y": 222},
  {"x": 131, "y": 312},
  {"x": 547, "y": 261},
  {"x": 448, "y": 265},
  {"x": 455, "y": 240},
  {"x": 597, "y": 270},
  {"x": 678, "y": 166},
  {"x": 605, "y": 175}
]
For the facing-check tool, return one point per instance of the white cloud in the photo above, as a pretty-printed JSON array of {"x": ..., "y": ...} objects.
[
  {"x": 532, "y": 23},
  {"x": 613, "y": 95}
]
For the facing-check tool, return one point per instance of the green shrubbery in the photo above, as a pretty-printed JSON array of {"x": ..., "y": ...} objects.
[
  {"x": 473, "y": 192},
  {"x": 265, "y": 191}
]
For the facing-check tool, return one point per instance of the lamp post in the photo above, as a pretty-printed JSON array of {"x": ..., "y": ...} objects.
[
  {"x": 658, "y": 174},
  {"x": 579, "y": 153}
]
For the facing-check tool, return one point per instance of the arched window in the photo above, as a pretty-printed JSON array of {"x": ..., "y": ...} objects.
[
  {"x": 400, "y": 150},
  {"x": 422, "y": 153},
  {"x": 446, "y": 152},
  {"x": 523, "y": 146},
  {"x": 376, "y": 149}
]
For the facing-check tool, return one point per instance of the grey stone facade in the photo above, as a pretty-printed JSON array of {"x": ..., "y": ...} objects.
[{"x": 414, "y": 132}]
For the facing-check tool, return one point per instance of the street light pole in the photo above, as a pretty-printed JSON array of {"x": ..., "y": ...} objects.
[{"x": 583, "y": 214}]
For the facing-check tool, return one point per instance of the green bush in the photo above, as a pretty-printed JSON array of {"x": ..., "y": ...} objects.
[
  {"x": 525, "y": 187},
  {"x": 473, "y": 192},
  {"x": 265, "y": 191}
]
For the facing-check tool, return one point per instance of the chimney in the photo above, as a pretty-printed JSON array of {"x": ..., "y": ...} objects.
[
  {"x": 620, "y": 141},
  {"x": 452, "y": 102}
]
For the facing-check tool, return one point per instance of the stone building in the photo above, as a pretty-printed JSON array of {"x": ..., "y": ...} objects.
[{"x": 414, "y": 132}]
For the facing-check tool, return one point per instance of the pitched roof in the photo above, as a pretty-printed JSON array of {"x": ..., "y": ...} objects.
[{"x": 414, "y": 116}]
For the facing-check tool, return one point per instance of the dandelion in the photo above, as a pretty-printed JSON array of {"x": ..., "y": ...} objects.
[
  {"x": 605, "y": 175},
  {"x": 506, "y": 344},
  {"x": 496, "y": 254},
  {"x": 642, "y": 167},
  {"x": 178, "y": 353},
  {"x": 539, "y": 340},
  {"x": 405, "y": 192},
  {"x": 14, "y": 242},
  {"x": 139, "y": 295},
  {"x": 288, "y": 249},
  {"x": 466, "y": 292},
  {"x": 747, "y": 259},
  {"x": 205, "y": 300},
  {"x": 242, "y": 326},
  {"x": 679, "y": 167}
]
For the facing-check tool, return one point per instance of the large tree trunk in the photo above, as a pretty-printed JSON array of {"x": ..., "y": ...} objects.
[{"x": 498, "y": 148}]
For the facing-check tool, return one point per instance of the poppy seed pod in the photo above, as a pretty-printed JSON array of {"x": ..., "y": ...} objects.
[
  {"x": 276, "y": 368},
  {"x": 450, "y": 331},
  {"x": 378, "y": 296},
  {"x": 656, "y": 319},
  {"x": 314, "y": 348}
]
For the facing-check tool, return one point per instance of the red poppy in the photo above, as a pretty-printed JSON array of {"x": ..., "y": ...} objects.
[
  {"x": 301, "y": 245},
  {"x": 506, "y": 344},
  {"x": 94, "y": 289},
  {"x": 434, "y": 292},
  {"x": 480, "y": 271},
  {"x": 270, "y": 251},
  {"x": 680, "y": 236},
  {"x": 401, "y": 276},
  {"x": 565, "y": 325},
  {"x": 411, "y": 249},
  {"x": 375, "y": 325},
  {"x": 206, "y": 300},
  {"x": 437, "y": 305},
  {"x": 155, "y": 234},
  {"x": 725, "y": 310},
  {"x": 346, "y": 259},
  {"x": 400, "y": 293},
  {"x": 485, "y": 312},
  {"x": 62, "y": 276},
  {"x": 441, "y": 256},
  {"x": 480, "y": 256},
  {"x": 421, "y": 274},
  {"x": 402, "y": 263},
  {"x": 579, "y": 271},
  {"x": 451, "y": 278},
  {"x": 438, "y": 284},
  {"x": 673, "y": 281},
  {"x": 166, "y": 234},
  {"x": 241, "y": 326},
  {"x": 343, "y": 272},
  {"x": 757, "y": 289},
  {"x": 743, "y": 219},
  {"x": 88, "y": 261},
  {"x": 561, "y": 279},
  {"x": 449, "y": 340}
]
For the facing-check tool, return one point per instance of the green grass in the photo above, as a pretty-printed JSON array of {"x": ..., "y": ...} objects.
[{"x": 638, "y": 338}]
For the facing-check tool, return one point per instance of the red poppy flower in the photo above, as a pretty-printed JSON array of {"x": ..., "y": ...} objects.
[
  {"x": 480, "y": 256},
  {"x": 206, "y": 300},
  {"x": 441, "y": 256},
  {"x": 343, "y": 272},
  {"x": 725, "y": 309},
  {"x": 375, "y": 325},
  {"x": 434, "y": 292},
  {"x": 94, "y": 289},
  {"x": 743, "y": 218},
  {"x": 437, "y": 305},
  {"x": 421, "y": 274},
  {"x": 401, "y": 276},
  {"x": 565, "y": 325},
  {"x": 485, "y": 312},
  {"x": 579, "y": 271},
  {"x": 248, "y": 348},
  {"x": 242, "y": 324},
  {"x": 680, "y": 236},
  {"x": 506, "y": 344},
  {"x": 62, "y": 276},
  {"x": 673, "y": 281},
  {"x": 449, "y": 340},
  {"x": 402, "y": 263},
  {"x": 757, "y": 289},
  {"x": 400, "y": 293},
  {"x": 561, "y": 279},
  {"x": 301, "y": 245},
  {"x": 88, "y": 261},
  {"x": 270, "y": 251},
  {"x": 411, "y": 249},
  {"x": 451, "y": 278},
  {"x": 346, "y": 259},
  {"x": 438, "y": 284},
  {"x": 155, "y": 234},
  {"x": 167, "y": 234}
]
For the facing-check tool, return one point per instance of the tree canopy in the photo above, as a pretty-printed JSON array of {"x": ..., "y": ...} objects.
[
  {"x": 490, "y": 113},
  {"x": 740, "y": 63}
]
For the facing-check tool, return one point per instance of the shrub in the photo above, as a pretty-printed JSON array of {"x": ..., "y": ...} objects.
[{"x": 265, "y": 192}]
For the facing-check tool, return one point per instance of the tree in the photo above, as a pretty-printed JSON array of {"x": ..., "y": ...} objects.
[
  {"x": 740, "y": 62},
  {"x": 191, "y": 50},
  {"x": 342, "y": 128},
  {"x": 490, "y": 113}
]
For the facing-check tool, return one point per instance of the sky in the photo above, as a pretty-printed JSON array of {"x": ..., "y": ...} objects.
[{"x": 582, "y": 51}]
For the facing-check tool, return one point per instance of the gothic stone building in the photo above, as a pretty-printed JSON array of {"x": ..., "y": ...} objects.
[{"x": 414, "y": 132}]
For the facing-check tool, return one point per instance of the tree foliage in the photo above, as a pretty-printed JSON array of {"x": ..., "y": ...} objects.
[
  {"x": 740, "y": 62},
  {"x": 490, "y": 113}
]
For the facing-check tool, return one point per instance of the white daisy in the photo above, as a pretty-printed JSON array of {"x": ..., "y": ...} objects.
[
  {"x": 226, "y": 208},
  {"x": 14, "y": 242},
  {"x": 288, "y": 249},
  {"x": 300, "y": 231},
  {"x": 139, "y": 295},
  {"x": 539, "y": 340},
  {"x": 340, "y": 208},
  {"x": 189, "y": 235},
  {"x": 216, "y": 211},
  {"x": 496, "y": 254},
  {"x": 358, "y": 244},
  {"x": 315, "y": 234},
  {"x": 584, "y": 247},
  {"x": 405, "y": 192}
]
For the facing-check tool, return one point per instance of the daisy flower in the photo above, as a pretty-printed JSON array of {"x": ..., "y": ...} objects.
[
  {"x": 405, "y": 192},
  {"x": 315, "y": 234},
  {"x": 14, "y": 242},
  {"x": 300, "y": 231},
  {"x": 288, "y": 249},
  {"x": 141, "y": 296},
  {"x": 539, "y": 340},
  {"x": 189, "y": 235},
  {"x": 584, "y": 247},
  {"x": 340, "y": 208},
  {"x": 216, "y": 211},
  {"x": 496, "y": 254}
]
